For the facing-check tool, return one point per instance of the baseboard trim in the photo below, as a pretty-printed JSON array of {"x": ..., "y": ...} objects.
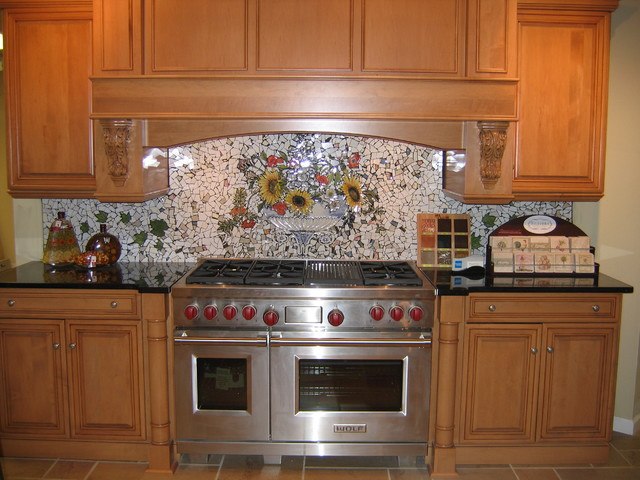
[{"x": 626, "y": 425}]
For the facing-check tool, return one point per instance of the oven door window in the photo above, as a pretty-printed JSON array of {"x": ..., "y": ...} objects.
[
  {"x": 350, "y": 385},
  {"x": 222, "y": 384}
]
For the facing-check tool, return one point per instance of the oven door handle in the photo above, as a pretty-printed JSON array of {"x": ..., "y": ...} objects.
[
  {"x": 258, "y": 341},
  {"x": 355, "y": 342}
]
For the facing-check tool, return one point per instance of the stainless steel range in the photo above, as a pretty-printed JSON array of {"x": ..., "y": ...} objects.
[{"x": 303, "y": 357}]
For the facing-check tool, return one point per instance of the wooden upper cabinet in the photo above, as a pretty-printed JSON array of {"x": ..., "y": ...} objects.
[
  {"x": 492, "y": 38},
  {"x": 47, "y": 69},
  {"x": 295, "y": 35},
  {"x": 117, "y": 37},
  {"x": 199, "y": 36},
  {"x": 418, "y": 36},
  {"x": 563, "y": 63},
  {"x": 433, "y": 38}
]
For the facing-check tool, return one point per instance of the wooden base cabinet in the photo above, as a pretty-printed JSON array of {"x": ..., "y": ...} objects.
[
  {"x": 74, "y": 375},
  {"x": 525, "y": 378},
  {"x": 515, "y": 374},
  {"x": 72, "y": 379}
]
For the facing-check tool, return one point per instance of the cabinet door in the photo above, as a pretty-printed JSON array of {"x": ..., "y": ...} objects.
[
  {"x": 295, "y": 35},
  {"x": 413, "y": 36},
  {"x": 33, "y": 378},
  {"x": 563, "y": 63},
  {"x": 48, "y": 64},
  {"x": 499, "y": 384},
  {"x": 105, "y": 365},
  {"x": 576, "y": 398},
  {"x": 491, "y": 38},
  {"x": 198, "y": 36},
  {"x": 117, "y": 37}
]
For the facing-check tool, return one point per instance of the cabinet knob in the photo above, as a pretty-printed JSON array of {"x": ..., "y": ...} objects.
[
  {"x": 56, "y": 346},
  {"x": 550, "y": 349},
  {"x": 492, "y": 308},
  {"x": 72, "y": 346},
  {"x": 596, "y": 308},
  {"x": 11, "y": 302},
  {"x": 534, "y": 350},
  {"x": 114, "y": 304}
]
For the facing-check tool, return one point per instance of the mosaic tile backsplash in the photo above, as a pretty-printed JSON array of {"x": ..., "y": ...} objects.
[{"x": 354, "y": 197}]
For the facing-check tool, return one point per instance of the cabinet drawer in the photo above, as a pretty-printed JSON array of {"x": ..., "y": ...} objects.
[
  {"x": 542, "y": 307},
  {"x": 69, "y": 303}
]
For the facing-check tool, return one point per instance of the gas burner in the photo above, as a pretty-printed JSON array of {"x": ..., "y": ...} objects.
[
  {"x": 220, "y": 272},
  {"x": 389, "y": 273},
  {"x": 276, "y": 272}
]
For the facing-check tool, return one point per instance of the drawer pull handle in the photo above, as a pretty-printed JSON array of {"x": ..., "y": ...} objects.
[
  {"x": 56, "y": 346},
  {"x": 114, "y": 304},
  {"x": 72, "y": 346},
  {"x": 550, "y": 349},
  {"x": 492, "y": 308},
  {"x": 11, "y": 302},
  {"x": 596, "y": 308},
  {"x": 534, "y": 350}
]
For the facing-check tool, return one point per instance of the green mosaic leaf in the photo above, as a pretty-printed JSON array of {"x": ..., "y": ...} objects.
[
  {"x": 158, "y": 227},
  {"x": 226, "y": 225},
  {"x": 140, "y": 238},
  {"x": 125, "y": 218},
  {"x": 84, "y": 227},
  {"x": 489, "y": 220},
  {"x": 159, "y": 245},
  {"x": 102, "y": 216},
  {"x": 476, "y": 242}
]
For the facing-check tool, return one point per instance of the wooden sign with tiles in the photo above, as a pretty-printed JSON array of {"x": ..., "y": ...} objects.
[
  {"x": 540, "y": 245},
  {"x": 441, "y": 238}
]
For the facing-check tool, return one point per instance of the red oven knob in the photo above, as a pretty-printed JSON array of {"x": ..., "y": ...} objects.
[
  {"x": 376, "y": 312},
  {"x": 210, "y": 312},
  {"x": 270, "y": 317},
  {"x": 335, "y": 317},
  {"x": 248, "y": 312},
  {"x": 229, "y": 312},
  {"x": 416, "y": 313},
  {"x": 191, "y": 312},
  {"x": 396, "y": 313}
]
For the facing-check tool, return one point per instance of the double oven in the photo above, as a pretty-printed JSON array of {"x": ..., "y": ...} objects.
[{"x": 305, "y": 357}]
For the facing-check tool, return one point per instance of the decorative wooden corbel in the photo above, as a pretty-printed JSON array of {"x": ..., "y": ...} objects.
[
  {"x": 493, "y": 139},
  {"x": 117, "y": 138}
]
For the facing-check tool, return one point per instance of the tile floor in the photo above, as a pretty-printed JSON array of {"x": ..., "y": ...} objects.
[{"x": 623, "y": 464}]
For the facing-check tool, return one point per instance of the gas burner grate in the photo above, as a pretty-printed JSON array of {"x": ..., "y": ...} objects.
[
  {"x": 389, "y": 273},
  {"x": 276, "y": 272},
  {"x": 220, "y": 272},
  {"x": 321, "y": 273}
]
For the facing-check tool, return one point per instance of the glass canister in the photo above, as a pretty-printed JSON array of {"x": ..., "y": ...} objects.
[
  {"x": 62, "y": 244},
  {"x": 106, "y": 243}
]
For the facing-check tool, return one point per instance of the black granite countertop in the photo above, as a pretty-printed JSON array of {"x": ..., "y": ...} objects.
[
  {"x": 159, "y": 277},
  {"x": 144, "y": 277},
  {"x": 454, "y": 283}
]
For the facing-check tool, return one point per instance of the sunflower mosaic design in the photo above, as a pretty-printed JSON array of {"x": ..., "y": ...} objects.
[
  {"x": 299, "y": 185},
  {"x": 271, "y": 184}
]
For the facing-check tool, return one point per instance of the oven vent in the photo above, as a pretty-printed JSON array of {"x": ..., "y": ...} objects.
[{"x": 334, "y": 272}]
